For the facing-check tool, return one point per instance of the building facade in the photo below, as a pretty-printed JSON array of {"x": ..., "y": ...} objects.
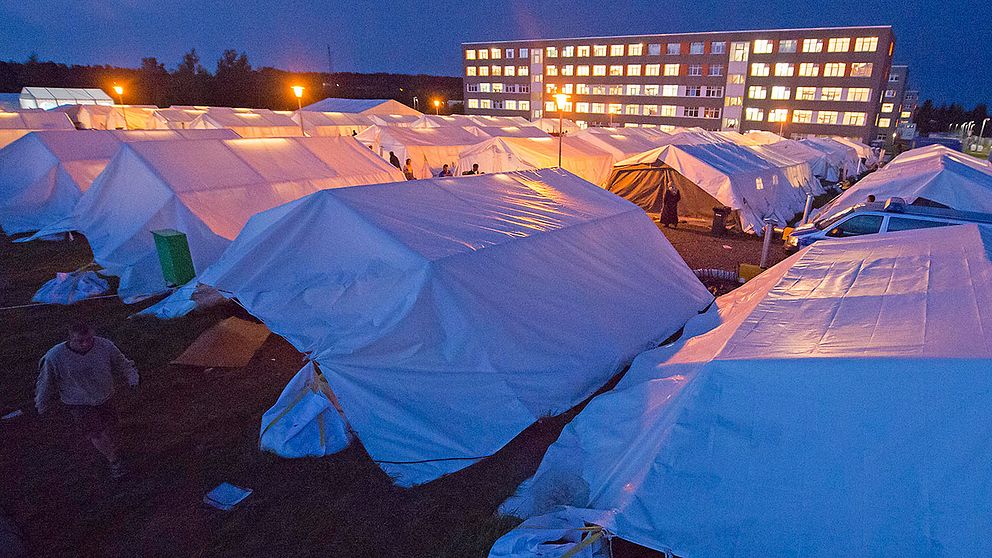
[{"x": 798, "y": 82}]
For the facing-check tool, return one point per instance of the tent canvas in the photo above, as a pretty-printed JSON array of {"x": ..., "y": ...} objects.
[
  {"x": 551, "y": 125},
  {"x": 14, "y": 125},
  {"x": 840, "y": 401},
  {"x": 622, "y": 143},
  {"x": 174, "y": 118},
  {"x": 48, "y": 98},
  {"x": 449, "y": 314},
  {"x": 510, "y": 154},
  {"x": 818, "y": 161},
  {"x": 207, "y": 189},
  {"x": 466, "y": 120},
  {"x": 428, "y": 148},
  {"x": 843, "y": 158},
  {"x": 331, "y": 123},
  {"x": 248, "y": 123},
  {"x": 363, "y": 106}
]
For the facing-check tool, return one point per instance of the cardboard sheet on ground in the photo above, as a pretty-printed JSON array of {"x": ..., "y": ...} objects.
[{"x": 229, "y": 344}]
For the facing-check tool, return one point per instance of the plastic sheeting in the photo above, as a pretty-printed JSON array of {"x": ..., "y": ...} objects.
[
  {"x": 14, "y": 125},
  {"x": 363, "y": 106},
  {"x": 331, "y": 123},
  {"x": 843, "y": 160},
  {"x": 511, "y": 154},
  {"x": 934, "y": 173},
  {"x": 622, "y": 143},
  {"x": 839, "y": 402},
  {"x": 70, "y": 288},
  {"x": 248, "y": 123},
  {"x": 556, "y": 534},
  {"x": 306, "y": 420},
  {"x": 207, "y": 189},
  {"x": 450, "y": 314}
]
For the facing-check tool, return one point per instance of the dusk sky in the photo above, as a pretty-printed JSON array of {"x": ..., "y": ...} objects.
[{"x": 946, "y": 43}]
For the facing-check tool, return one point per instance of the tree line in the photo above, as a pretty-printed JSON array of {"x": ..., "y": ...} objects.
[
  {"x": 930, "y": 118},
  {"x": 233, "y": 82}
]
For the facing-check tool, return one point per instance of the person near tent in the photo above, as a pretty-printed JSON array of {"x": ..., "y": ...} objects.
[
  {"x": 80, "y": 372},
  {"x": 445, "y": 171},
  {"x": 670, "y": 207},
  {"x": 394, "y": 160},
  {"x": 871, "y": 198},
  {"x": 475, "y": 170},
  {"x": 408, "y": 170}
]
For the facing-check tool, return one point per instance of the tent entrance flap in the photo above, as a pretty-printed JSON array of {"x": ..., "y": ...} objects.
[{"x": 645, "y": 186}]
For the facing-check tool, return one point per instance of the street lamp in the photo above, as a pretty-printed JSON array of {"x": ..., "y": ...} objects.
[
  {"x": 981, "y": 134},
  {"x": 437, "y": 107},
  {"x": 120, "y": 98},
  {"x": 560, "y": 99},
  {"x": 298, "y": 91}
]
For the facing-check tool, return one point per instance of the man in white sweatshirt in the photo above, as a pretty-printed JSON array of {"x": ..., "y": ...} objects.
[{"x": 81, "y": 373}]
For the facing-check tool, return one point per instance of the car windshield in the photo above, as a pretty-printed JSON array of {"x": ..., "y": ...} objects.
[{"x": 826, "y": 223}]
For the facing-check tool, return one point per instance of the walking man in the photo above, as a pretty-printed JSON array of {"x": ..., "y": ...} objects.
[
  {"x": 80, "y": 372},
  {"x": 394, "y": 160}
]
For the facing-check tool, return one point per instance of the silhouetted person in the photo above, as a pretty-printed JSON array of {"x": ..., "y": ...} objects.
[
  {"x": 445, "y": 171},
  {"x": 670, "y": 207},
  {"x": 394, "y": 160},
  {"x": 475, "y": 170},
  {"x": 871, "y": 198}
]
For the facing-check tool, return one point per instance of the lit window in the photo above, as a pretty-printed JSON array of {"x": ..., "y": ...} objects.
[
  {"x": 674, "y": 48},
  {"x": 581, "y": 89},
  {"x": 473, "y": 103},
  {"x": 809, "y": 69},
  {"x": 510, "y": 71},
  {"x": 805, "y": 93},
  {"x": 497, "y": 88},
  {"x": 523, "y": 70},
  {"x": 551, "y": 52},
  {"x": 906, "y": 114},
  {"x": 861, "y": 69},
  {"x": 716, "y": 70},
  {"x": 757, "y": 92},
  {"x": 470, "y": 71},
  {"x": 866, "y": 44},
  {"x": 692, "y": 112},
  {"x": 485, "y": 103},
  {"x": 635, "y": 50},
  {"x": 581, "y": 107},
  {"x": 778, "y": 115},
  {"x": 497, "y": 71},
  {"x": 787, "y": 46},
  {"x": 884, "y": 122},
  {"x": 759, "y": 184},
  {"x": 812, "y": 45},
  {"x": 508, "y": 53},
  {"x": 802, "y": 116},
  {"x": 762, "y": 46},
  {"x": 633, "y": 110},
  {"x": 583, "y": 51},
  {"x": 784, "y": 69},
  {"x": 483, "y": 54},
  {"x": 495, "y": 53},
  {"x": 616, "y": 70},
  {"x": 718, "y": 48},
  {"x": 616, "y": 90},
  {"x": 650, "y": 110},
  {"x": 831, "y": 94},
  {"x": 483, "y": 70},
  {"x": 523, "y": 105},
  {"x": 599, "y": 70},
  {"x": 669, "y": 90},
  {"x": 616, "y": 50},
  {"x": 668, "y": 110},
  {"x": 568, "y": 70},
  {"x": 633, "y": 89},
  {"x": 752, "y": 113},
  {"x": 486, "y": 87},
  {"x": 826, "y": 117},
  {"x": 550, "y": 106},
  {"x": 654, "y": 50},
  {"x": 470, "y": 55},
  {"x": 854, "y": 119},
  {"x": 834, "y": 69},
  {"x": 889, "y": 93},
  {"x": 759, "y": 69},
  {"x": 510, "y": 104},
  {"x": 615, "y": 108},
  {"x": 598, "y": 108},
  {"x": 582, "y": 70},
  {"x": 568, "y": 51},
  {"x": 738, "y": 52},
  {"x": 671, "y": 69},
  {"x": 652, "y": 70},
  {"x": 736, "y": 79},
  {"x": 652, "y": 90},
  {"x": 841, "y": 44},
  {"x": 633, "y": 69},
  {"x": 567, "y": 88},
  {"x": 888, "y": 107},
  {"x": 695, "y": 69},
  {"x": 551, "y": 70},
  {"x": 781, "y": 93},
  {"x": 599, "y": 50},
  {"x": 733, "y": 101},
  {"x": 697, "y": 48},
  {"x": 711, "y": 112}
]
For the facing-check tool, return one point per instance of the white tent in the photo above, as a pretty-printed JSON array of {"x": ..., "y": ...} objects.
[
  {"x": 509, "y": 154},
  {"x": 622, "y": 143},
  {"x": 428, "y": 148},
  {"x": 510, "y": 131},
  {"x": 551, "y": 125},
  {"x": 843, "y": 159},
  {"x": 818, "y": 161},
  {"x": 175, "y": 118},
  {"x": 332, "y": 123},
  {"x": 207, "y": 189},
  {"x": 449, "y": 314},
  {"x": 363, "y": 106},
  {"x": 934, "y": 174},
  {"x": 50, "y": 97},
  {"x": 839, "y": 402},
  {"x": 763, "y": 137},
  {"x": 14, "y": 125},
  {"x": 110, "y": 117},
  {"x": 868, "y": 155},
  {"x": 43, "y": 174},
  {"x": 248, "y": 123},
  {"x": 465, "y": 120},
  {"x": 397, "y": 120}
]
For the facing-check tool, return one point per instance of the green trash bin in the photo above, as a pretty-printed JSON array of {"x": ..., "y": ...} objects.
[{"x": 174, "y": 256}]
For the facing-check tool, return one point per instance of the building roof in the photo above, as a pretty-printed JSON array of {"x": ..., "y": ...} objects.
[{"x": 889, "y": 27}]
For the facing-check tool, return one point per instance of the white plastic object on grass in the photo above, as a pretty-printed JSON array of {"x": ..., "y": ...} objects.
[
  {"x": 583, "y": 532},
  {"x": 306, "y": 420},
  {"x": 71, "y": 287}
]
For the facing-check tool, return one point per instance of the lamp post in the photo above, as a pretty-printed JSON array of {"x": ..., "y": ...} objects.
[
  {"x": 437, "y": 107},
  {"x": 298, "y": 92},
  {"x": 560, "y": 99},
  {"x": 981, "y": 133},
  {"x": 120, "y": 98}
]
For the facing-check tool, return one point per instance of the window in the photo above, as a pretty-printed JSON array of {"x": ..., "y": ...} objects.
[
  {"x": 614, "y": 108},
  {"x": 757, "y": 92},
  {"x": 483, "y": 70},
  {"x": 674, "y": 48},
  {"x": 550, "y": 106},
  {"x": 888, "y": 107},
  {"x": 784, "y": 69},
  {"x": 697, "y": 48},
  {"x": 787, "y": 46},
  {"x": 494, "y": 53},
  {"x": 802, "y": 116},
  {"x": 497, "y": 88},
  {"x": 861, "y": 69},
  {"x": 756, "y": 114},
  {"x": 633, "y": 69},
  {"x": 738, "y": 52},
  {"x": 598, "y": 108},
  {"x": 716, "y": 70},
  {"x": 714, "y": 91},
  {"x": 567, "y": 88},
  {"x": 841, "y": 44},
  {"x": 866, "y": 44},
  {"x": 568, "y": 70},
  {"x": 693, "y": 91},
  {"x": 889, "y": 93},
  {"x": 485, "y": 103},
  {"x": 652, "y": 70},
  {"x": 635, "y": 50},
  {"x": 695, "y": 69},
  {"x": 831, "y": 94},
  {"x": 486, "y": 87},
  {"x": 781, "y": 93},
  {"x": 692, "y": 112},
  {"x": 718, "y": 48},
  {"x": 581, "y": 107},
  {"x": 508, "y": 53},
  {"x": 599, "y": 70},
  {"x": 711, "y": 112},
  {"x": 616, "y": 90},
  {"x": 510, "y": 104},
  {"x": 650, "y": 110},
  {"x": 671, "y": 69},
  {"x": 616, "y": 70},
  {"x": 859, "y": 94},
  {"x": 582, "y": 70},
  {"x": 551, "y": 52},
  {"x": 510, "y": 71},
  {"x": 473, "y": 103},
  {"x": 633, "y": 89},
  {"x": 652, "y": 90},
  {"x": 668, "y": 110},
  {"x": 759, "y": 184},
  {"x": 633, "y": 110},
  {"x": 669, "y": 90},
  {"x": 778, "y": 115},
  {"x": 472, "y": 88},
  {"x": 497, "y": 71},
  {"x": 834, "y": 69},
  {"x": 893, "y": 78},
  {"x": 599, "y": 90},
  {"x": 906, "y": 114},
  {"x": 470, "y": 55},
  {"x": 805, "y": 93},
  {"x": 568, "y": 51},
  {"x": 733, "y": 101},
  {"x": 616, "y": 50},
  {"x": 759, "y": 69},
  {"x": 551, "y": 70},
  {"x": 884, "y": 122},
  {"x": 826, "y": 117},
  {"x": 581, "y": 89},
  {"x": 599, "y": 50},
  {"x": 856, "y": 226},
  {"x": 904, "y": 224},
  {"x": 523, "y": 70},
  {"x": 812, "y": 45},
  {"x": 524, "y": 52},
  {"x": 483, "y": 54},
  {"x": 809, "y": 69},
  {"x": 582, "y": 51},
  {"x": 854, "y": 119},
  {"x": 654, "y": 50},
  {"x": 762, "y": 46},
  {"x": 736, "y": 79},
  {"x": 470, "y": 71}
]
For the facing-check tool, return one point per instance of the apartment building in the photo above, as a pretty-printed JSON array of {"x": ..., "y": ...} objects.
[
  {"x": 798, "y": 82},
  {"x": 892, "y": 100}
]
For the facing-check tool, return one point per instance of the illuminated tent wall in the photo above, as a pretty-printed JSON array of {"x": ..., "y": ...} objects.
[
  {"x": 467, "y": 120},
  {"x": 363, "y": 106},
  {"x": 841, "y": 157},
  {"x": 839, "y": 402},
  {"x": 13, "y": 125},
  {"x": 175, "y": 118},
  {"x": 331, "y": 123},
  {"x": 207, "y": 189},
  {"x": 449, "y": 314},
  {"x": 50, "y": 97},
  {"x": 622, "y": 143},
  {"x": 43, "y": 174},
  {"x": 428, "y": 148},
  {"x": 107, "y": 117},
  {"x": 550, "y": 125},
  {"x": 247, "y": 123},
  {"x": 510, "y": 153}
]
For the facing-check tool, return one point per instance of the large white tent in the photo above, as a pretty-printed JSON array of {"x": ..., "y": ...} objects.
[
  {"x": 47, "y": 98},
  {"x": 175, "y": 118},
  {"x": 466, "y": 120},
  {"x": 843, "y": 159},
  {"x": 449, "y": 314},
  {"x": 509, "y": 154},
  {"x": 839, "y": 403},
  {"x": 363, "y": 106},
  {"x": 429, "y": 149},
  {"x": 248, "y": 123},
  {"x": 111, "y": 117},
  {"x": 207, "y": 189},
  {"x": 331, "y": 123},
  {"x": 622, "y": 143},
  {"x": 553, "y": 125},
  {"x": 397, "y": 120},
  {"x": 926, "y": 176},
  {"x": 14, "y": 125},
  {"x": 43, "y": 174}
]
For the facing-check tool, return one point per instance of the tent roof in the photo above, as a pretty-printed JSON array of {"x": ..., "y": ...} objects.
[
  {"x": 449, "y": 314},
  {"x": 362, "y": 106},
  {"x": 581, "y": 157},
  {"x": 448, "y": 135},
  {"x": 77, "y": 96},
  {"x": 763, "y": 137},
  {"x": 315, "y": 119},
  {"x": 10, "y": 101},
  {"x": 621, "y": 142},
  {"x": 836, "y": 401},
  {"x": 244, "y": 118},
  {"x": 35, "y": 120}
]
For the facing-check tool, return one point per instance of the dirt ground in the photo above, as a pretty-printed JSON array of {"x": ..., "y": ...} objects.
[{"x": 185, "y": 430}]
